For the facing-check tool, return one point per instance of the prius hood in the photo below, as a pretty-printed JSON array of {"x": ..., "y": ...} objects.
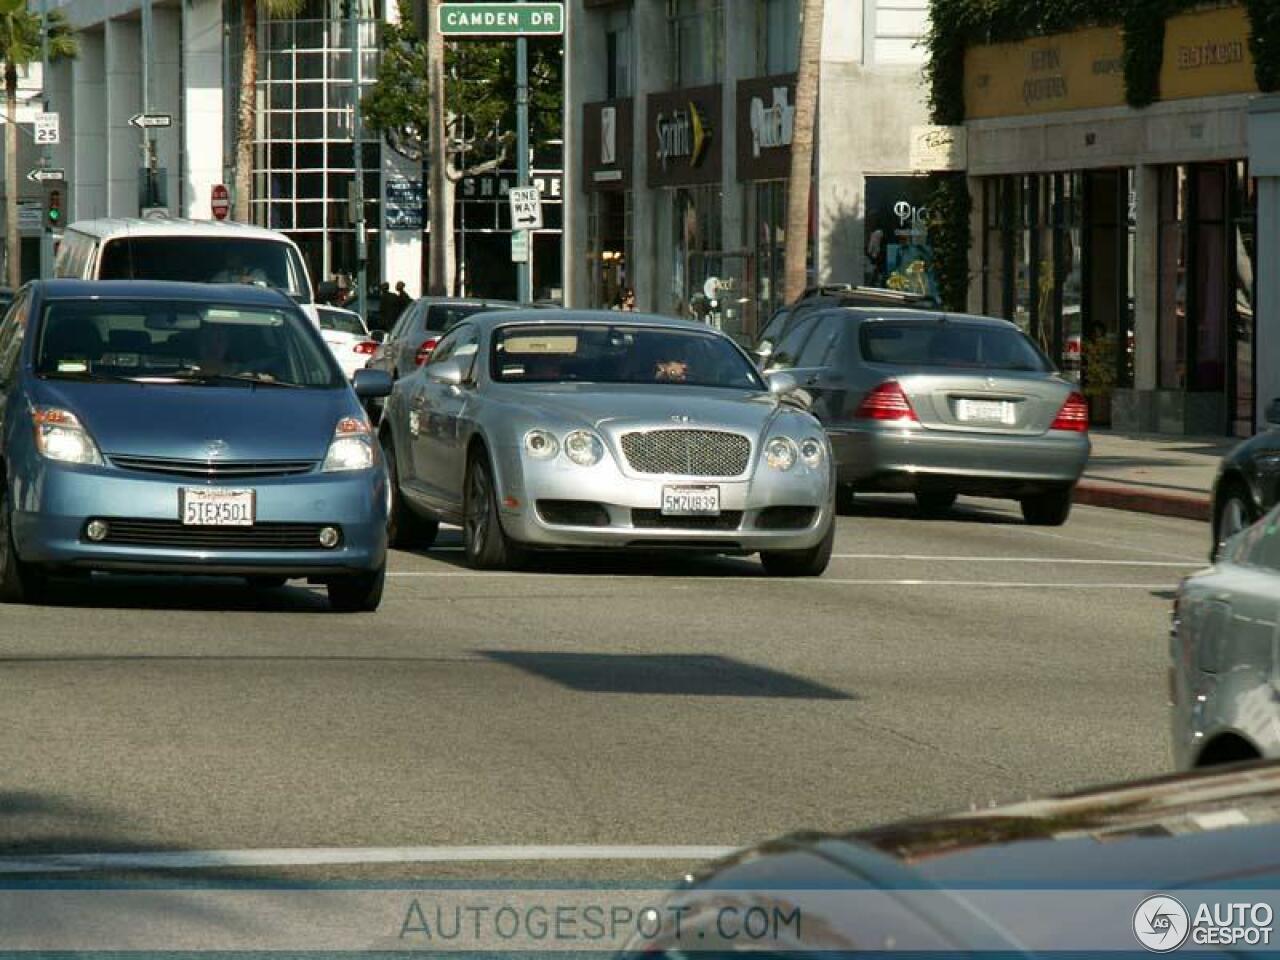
[{"x": 188, "y": 422}]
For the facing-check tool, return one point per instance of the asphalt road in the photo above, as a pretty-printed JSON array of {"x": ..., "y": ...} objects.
[{"x": 615, "y": 703}]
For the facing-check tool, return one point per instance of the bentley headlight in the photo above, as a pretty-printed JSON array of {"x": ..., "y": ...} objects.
[
  {"x": 780, "y": 453},
  {"x": 541, "y": 445},
  {"x": 584, "y": 448},
  {"x": 811, "y": 451}
]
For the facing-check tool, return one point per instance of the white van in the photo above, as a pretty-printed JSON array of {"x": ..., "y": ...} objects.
[{"x": 199, "y": 251}]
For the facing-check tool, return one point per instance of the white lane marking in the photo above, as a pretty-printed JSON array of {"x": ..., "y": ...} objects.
[
  {"x": 1094, "y": 543},
  {"x": 321, "y": 856},
  {"x": 1099, "y": 563},
  {"x": 830, "y": 581}
]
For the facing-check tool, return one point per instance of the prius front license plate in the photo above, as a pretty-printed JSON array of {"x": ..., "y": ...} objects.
[
  {"x": 985, "y": 411},
  {"x": 691, "y": 501},
  {"x": 214, "y": 507}
]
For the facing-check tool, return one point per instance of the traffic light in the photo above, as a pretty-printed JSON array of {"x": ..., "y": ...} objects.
[{"x": 53, "y": 207}]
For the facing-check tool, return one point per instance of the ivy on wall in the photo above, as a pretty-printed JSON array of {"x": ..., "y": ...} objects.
[
  {"x": 956, "y": 25},
  {"x": 949, "y": 210}
]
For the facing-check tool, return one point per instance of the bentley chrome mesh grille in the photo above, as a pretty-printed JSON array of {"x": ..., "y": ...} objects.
[{"x": 688, "y": 453}]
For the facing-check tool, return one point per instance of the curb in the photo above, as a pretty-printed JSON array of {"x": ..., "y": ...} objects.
[{"x": 1139, "y": 500}]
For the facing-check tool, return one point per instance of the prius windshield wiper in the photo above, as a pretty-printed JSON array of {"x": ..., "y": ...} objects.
[
  {"x": 86, "y": 376},
  {"x": 196, "y": 375}
]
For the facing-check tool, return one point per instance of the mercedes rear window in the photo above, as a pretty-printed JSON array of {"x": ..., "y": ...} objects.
[{"x": 949, "y": 343}]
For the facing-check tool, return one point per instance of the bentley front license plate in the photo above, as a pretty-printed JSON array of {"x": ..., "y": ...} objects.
[
  {"x": 214, "y": 507},
  {"x": 691, "y": 501}
]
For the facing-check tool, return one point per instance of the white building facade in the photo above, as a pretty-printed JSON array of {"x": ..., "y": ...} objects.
[{"x": 679, "y": 118}]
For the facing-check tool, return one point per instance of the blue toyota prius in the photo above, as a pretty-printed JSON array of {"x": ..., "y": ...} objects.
[{"x": 183, "y": 428}]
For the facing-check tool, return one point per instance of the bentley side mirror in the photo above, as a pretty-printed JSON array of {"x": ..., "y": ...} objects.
[{"x": 781, "y": 384}]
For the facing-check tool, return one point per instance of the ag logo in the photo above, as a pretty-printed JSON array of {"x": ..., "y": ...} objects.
[{"x": 1161, "y": 924}]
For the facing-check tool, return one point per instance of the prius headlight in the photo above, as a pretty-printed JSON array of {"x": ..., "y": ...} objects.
[
  {"x": 584, "y": 448},
  {"x": 780, "y": 453},
  {"x": 60, "y": 436},
  {"x": 351, "y": 447}
]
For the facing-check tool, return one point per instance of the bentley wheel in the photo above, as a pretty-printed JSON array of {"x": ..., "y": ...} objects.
[{"x": 487, "y": 545}]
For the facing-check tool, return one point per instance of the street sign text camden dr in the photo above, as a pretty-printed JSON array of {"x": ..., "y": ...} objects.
[{"x": 501, "y": 19}]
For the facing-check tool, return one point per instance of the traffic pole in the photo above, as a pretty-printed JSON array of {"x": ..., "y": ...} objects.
[
  {"x": 46, "y": 158},
  {"x": 357, "y": 145},
  {"x": 148, "y": 145},
  {"x": 524, "y": 268}
]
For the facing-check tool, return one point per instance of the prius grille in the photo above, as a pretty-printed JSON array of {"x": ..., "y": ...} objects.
[
  {"x": 688, "y": 453},
  {"x": 213, "y": 469}
]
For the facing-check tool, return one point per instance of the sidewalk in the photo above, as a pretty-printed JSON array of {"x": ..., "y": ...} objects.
[{"x": 1172, "y": 476}]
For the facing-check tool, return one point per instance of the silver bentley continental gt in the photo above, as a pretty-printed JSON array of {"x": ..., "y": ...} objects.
[{"x": 555, "y": 429}]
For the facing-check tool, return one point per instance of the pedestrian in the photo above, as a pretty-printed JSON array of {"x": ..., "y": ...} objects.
[
  {"x": 626, "y": 301},
  {"x": 388, "y": 307},
  {"x": 402, "y": 299}
]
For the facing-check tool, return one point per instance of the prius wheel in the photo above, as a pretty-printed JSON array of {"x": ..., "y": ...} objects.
[
  {"x": 935, "y": 502},
  {"x": 801, "y": 563},
  {"x": 1047, "y": 509},
  {"x": 405, "y": 529},
  {"x": 19, "y": 582},
  {"x": 361, "y": 593},
  {"x": 487, "y": 544}
]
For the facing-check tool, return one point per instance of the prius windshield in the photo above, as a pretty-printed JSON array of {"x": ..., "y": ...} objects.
[
  {"x": 599, "y": 353},
  {"x": 187, "y": 259},
  {"x": 179, "y": 341}
]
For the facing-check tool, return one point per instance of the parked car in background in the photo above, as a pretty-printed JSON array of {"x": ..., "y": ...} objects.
[
  {"x": 187, "y": 251},
  {"x": 993, "y": 882},
  {"x": 347, "y": 337},
  {"x": 1248, "y": 482},
  {"x": 413, "y": 338},
  {"x": 1224, "y": 672},
  {"x": 938, "y": 405},
  {"x": 185, "y": 429},
  {"x": 830, "y": 295},
  {"x": 591, "y": 429}
]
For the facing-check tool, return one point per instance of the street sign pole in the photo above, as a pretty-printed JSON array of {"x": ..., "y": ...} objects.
[
  {"x": 524, "y": 269},
  {"x": 46, "y": 160},
  {"x": 148, "y": 145},
  {"x": 357, "y": 135}
]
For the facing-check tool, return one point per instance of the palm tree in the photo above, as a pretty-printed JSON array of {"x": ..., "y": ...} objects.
[
  {"x": 20, "y": 35},
  {"x": 796, "y": 253},
  {"x": 247, "y": 110}
]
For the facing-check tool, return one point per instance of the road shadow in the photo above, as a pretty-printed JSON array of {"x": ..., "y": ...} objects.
[
  {"x": 673, "y": 674},
  {"x": 894, "y": 507},
  {"x": 609, "y": 563},
  {"x": 1169, "y": 595},
  {"x": 222, "y": 594}
]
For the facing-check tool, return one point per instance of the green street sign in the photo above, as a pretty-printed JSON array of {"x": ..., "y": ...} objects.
[{"x": 501, "y": 19}]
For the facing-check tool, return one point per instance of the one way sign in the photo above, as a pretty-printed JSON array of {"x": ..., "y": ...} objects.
[{"x": 526, "y": 208}]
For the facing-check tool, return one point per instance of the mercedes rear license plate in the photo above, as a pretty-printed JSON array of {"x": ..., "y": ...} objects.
[
  {"x": 214, "y": 507},
  {"x": 691, "y": 501},
  {"x": 985, "y": 411}
]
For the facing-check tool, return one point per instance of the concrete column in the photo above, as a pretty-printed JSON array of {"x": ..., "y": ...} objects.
[
  {"x": 202, "y": 120},
  {"x": 584, "y": 82},
  {"x": 651, "y": 75},
  {"x": 739, "y": 63},
  {"x": 1146, "y": 293},
  {"x": 167, "y": 98},
  {"x": 86, "y": 129},
  {"x": 1267, "y": 312},
  {"x": 123, "y": 58}
]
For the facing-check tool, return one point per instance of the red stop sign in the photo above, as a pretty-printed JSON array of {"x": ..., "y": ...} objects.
[{"x": 220, "y": 201}]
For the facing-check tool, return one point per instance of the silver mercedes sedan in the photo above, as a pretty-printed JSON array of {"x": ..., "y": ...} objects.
[
  {"x": 1224, "y": 671},
  {"x": 575, "y": 429}
]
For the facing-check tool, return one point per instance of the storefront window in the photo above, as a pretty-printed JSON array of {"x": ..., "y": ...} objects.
[
  {"x": 609, "y": 243},
  {"x": 689, "y": 227},
  {"x": 1244, "y": 203},
  {"x": 617, "y": 41},
  {"x": 898, "y": 255},
  {"x": 1172, "y": 342},
  {"x": 993, "y": 249},
  {"x": 767, "y": 209},
  {"x": 780, "y": 37},
  {"x": 697, "y": 45}
]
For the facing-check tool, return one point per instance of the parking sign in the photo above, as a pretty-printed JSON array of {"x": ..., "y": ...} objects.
[{"x": 47, "y": 131}]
